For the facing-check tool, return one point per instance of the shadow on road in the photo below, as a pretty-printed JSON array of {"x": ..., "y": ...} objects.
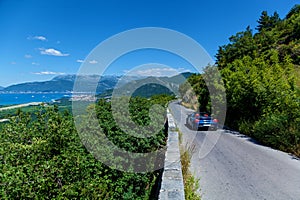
[
  {"x": 253, "y": 141},
  {"x": 199, "y": 129}
]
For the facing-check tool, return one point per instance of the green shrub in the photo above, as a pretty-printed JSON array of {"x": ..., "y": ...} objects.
[
  {"x": 278, "y": 130},
  {"x": 42, "y": 157}
]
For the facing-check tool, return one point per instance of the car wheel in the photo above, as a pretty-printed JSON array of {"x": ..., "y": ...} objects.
[
  {"x": 214, "y": 129},
  {"x": 195, "y": 127}
]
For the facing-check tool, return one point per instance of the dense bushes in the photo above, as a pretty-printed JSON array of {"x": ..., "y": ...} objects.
[
  {"x": 42, "y": 157},
  {"x": 261, "y": 86},
  {"x": 260, "y": 73},
  {"x": 279, "y": 130}
]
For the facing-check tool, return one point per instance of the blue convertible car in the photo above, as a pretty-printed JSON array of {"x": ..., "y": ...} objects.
[{"x": 201, "y": 120}]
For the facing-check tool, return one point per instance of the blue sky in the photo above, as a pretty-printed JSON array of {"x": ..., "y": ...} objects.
[{"x": 42, "y": 39}]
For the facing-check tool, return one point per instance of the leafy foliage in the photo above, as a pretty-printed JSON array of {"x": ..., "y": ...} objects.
[
  {"x": 267, "y": 22},
  {"x": 151, "y": 89},
  {"x": 43, "y": 157},
  {"x": 260, "y": 75}
]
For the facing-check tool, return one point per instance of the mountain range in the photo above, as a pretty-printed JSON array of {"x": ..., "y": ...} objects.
[
  {"x": 150, "y": 86},
  {"x": 65, "y": 83},
  {"x": 105, "y": 84}
]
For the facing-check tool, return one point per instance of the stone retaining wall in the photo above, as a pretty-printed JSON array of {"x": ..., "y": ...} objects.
[{"x": 172, "y": 181}]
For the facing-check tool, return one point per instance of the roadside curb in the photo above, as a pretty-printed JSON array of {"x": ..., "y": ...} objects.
[{"x": 172, "y": 186}]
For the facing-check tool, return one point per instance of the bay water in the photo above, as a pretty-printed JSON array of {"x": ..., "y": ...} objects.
[{"x": 20, "y": 98}]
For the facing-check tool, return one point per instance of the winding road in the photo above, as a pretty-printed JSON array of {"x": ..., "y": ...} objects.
[{"x": 233, "y": 166}]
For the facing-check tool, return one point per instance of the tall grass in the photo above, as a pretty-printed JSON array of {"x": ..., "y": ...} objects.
[{"x": 191, "y": 184}]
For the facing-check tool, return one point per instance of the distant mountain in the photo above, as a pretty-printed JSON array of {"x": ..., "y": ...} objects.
[
  {"x": 45, "y": 86},
  {"x": 150, "y": 86},
  {"x": 150, "y": 89},
  {"x": 65, "y": 83},
  {"x": 102, "y": 84},
  {"x": 1, "y": 88}
]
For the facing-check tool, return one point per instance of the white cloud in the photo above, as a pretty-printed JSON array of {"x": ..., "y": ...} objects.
[
  {"x": 156, "y": 72},
  {"x": 80, "y": 61},
  {"x": 93, "y": 62},
  {"x": 13, "y": 63},
  {"x": 34, "y": 63},
  {"x": 48, "y": 73},
  {"x": 52, "y": 52},
  {"x": 28, "y": 56},
  {"x": 37, "y": 37},
  {"x": 154, "y": 69},
  {"x": 42, "y": 38},
  {"x": 181, "y": 70}
]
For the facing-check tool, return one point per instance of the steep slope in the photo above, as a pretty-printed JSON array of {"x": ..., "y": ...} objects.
[
  {"x": 150, "y": 86},
  {"x": 260, "y": 72}
]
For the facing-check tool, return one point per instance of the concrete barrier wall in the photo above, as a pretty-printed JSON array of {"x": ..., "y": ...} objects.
[{"x": 172, "y": 181}]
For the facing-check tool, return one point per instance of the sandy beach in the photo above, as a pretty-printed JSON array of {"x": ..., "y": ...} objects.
[{"x": 21, "y": 105}]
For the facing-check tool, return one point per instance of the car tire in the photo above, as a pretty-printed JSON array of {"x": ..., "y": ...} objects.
[{"x": 195, "y": 127}]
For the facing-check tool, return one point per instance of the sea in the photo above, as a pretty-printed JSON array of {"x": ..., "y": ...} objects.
[{"x": 20, "y": 98}]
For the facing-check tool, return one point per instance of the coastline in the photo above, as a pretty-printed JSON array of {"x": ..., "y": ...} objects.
[
  {"x": 11, "y": 99},
  {"x": 21, "y": 105}
]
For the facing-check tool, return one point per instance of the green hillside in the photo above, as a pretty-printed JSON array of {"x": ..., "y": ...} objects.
[
  {"x": 151, "y": 86},
  {"x": 44, "y": 157},
  {"x": 260, "y": 71}
]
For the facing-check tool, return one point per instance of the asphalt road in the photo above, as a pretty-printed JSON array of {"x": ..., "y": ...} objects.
[{"x": 233, "y": 166}]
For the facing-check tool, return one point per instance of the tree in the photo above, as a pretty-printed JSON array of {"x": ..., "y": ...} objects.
[
  {"x": 260, "y": 73},
  {"x": 240, "y": 44},
  {"x": 42, "y": 156},
  {"x": 266, "y": 23},
  {"x": 295, "y": 10}
]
